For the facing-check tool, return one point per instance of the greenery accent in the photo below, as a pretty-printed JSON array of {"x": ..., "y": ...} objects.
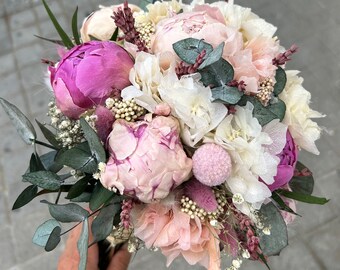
[
  {"x": 48, "y": 234},
  {"x": 281, "y": 80},
  {"x": 25, "y": 197},
  {"x": 212, "y": 57},
  {"x": 75, "y": 27},
  {"x": 302, "y": 197},
  {"x": 189, "y": 49},
  {"x": 100, "y": 196},
  {"x": 226, "y": 94},
  {"x": 23, "y": 126},
  {"x": 281, "y": 204},
  {"x": 217, "y": 74},
  {"x": 302, "y": 184},
  {"x": 66, "y": 213},
  {"x": 43, "y": 179},
  {"x": 278, "y": 239},
  {"x": 82, "y": 245},
  {"x": 50, "y": 137}
]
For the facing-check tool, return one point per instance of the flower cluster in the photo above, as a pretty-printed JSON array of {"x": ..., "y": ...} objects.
[{"x": 186, "y": 127}]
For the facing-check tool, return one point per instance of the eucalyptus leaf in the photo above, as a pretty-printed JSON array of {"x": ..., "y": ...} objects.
[
  {"x": 75, "y": 27},
  {"x": 217, "y": 74},
  {"x": 188, "y": 49},
  {"x": 82, "y": 245},
  {"x": 50, "y": 137},
  {"x": 79, "y": 158},
  {"x": 43, "y": 179},
  {"x": 44, "y": 231},
  {"x": 212, "y": 57},
  {"x": 302, "y": 184},
  {"x": 226, "y": 94},
  {"x": 281, "y": 80},
  {"x": 302, "y": 197},
  {"x": 23, "y": 126},
  {"x": 102, "y": 225},
  {"x": 65, "y": 213},
  {"x": 25, "y": 197},
  {"x": 93, "y": 140},
  {"x": 278, "y": 239},
  {"x": 48, "y": 160},
  {"x": 84, "y": 197},
  {"x": 64, "y": 37},
  {"x": 100, "y": 196},
  {"x": 54, "y": 239},
  {"x": 36, "y": 164},
  {"x": 143, "y": 4},
  {"x": 78, "y": 188}
]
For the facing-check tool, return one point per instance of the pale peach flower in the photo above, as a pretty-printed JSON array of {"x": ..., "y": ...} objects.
[{"x": 164, "y": 226}]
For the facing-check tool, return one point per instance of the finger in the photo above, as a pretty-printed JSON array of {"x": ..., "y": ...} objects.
[
  {"x": 120, "y": 260},
  {"x": 69, "y": 259}
]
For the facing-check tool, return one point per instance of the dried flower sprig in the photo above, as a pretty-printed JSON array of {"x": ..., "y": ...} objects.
[
  {"x": 125, "y": 21},
  {"x": 185, "y": 69},
  {"x": 284, "y": 57}
]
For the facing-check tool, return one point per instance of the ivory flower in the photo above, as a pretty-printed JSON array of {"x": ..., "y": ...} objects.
[
  {"x": 298, "y": 113},
  {"x": 193, "y": 106}
]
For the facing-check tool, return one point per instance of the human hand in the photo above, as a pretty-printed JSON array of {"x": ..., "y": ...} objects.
[{"x": 69, "y": 259}]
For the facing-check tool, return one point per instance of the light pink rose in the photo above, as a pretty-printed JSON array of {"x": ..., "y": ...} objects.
[
  {"x": 203, "y": 23},
  {"x": 146, "y": 158},
  {"x": 164, "y": 226},
  {"x": 254, "y": 62}
]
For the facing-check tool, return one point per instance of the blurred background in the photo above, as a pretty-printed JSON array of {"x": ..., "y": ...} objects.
[{"x": 314, "y": 25}]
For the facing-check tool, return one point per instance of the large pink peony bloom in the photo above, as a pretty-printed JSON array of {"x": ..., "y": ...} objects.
[
  {"x": 88, "y": 74},
  {"x": 203, "y": 23},
  {"x": 288, "y": 160},
  {"x": 146, "y": 158},
  {"x": 164, "y": 226}
]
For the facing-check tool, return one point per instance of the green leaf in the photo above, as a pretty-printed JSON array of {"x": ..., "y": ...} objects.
[
  {"x": 23, "y": 126},
  {"x": 78, "y": 188},
  {"x": 217, "y": 74},
  {"x": 281, "y": 204},
  {"x": 79, "y": 158},
  {"x": 102, "y": 225},
  {"x": 50, "y": 137},
  {"x": 281, "y": 80},
  {"x": 188, "y": 49},
  {"x": 114, "y": 36},
  {"x": 212, "y": 57},
  {"x": 226, "y": 94},
  {"x": 48, "y": 160},
  {"x": 65, "y": 213},
  {"x": 302, "y": 184},
  {"x": 264, "y": 260},
  {"x": 93, "y": 140},
  {"x": 84, "y": 197},
  {"x": 43, "y": 179},
  {"x": 54, "y": 239},
  {"x": 83, "y": 244},
  {"x": 75, "y": 27},
  {"x": 43, "y": 232},
  {"x": 55, "y": 41},
  {"x": 64, "y": 37},
  {"x": 100, "y": 196},
  {"x": 278, "y": 239},
  {"x": 36, "y": 164},
  {"x": 301, "y": 197},
  {"x": 265, "y": 114},
  {"x": 25, "y": 197}
]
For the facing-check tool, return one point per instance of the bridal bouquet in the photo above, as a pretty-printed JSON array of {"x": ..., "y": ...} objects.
[{"x": 180, "y": 128}]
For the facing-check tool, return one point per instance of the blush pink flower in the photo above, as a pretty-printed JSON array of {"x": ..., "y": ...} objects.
[
  {"x": 146, "y": 158},
  {"x": 206, "y": 23},
  {"x": 211, "y": 164},
  {"x": 164, "y": 226},
  {"x": 254, "y": 62},
  {"x": 288, "y": 159}
]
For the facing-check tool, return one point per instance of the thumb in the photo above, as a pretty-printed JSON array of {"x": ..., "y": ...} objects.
[{"x": 120, "y": 260}]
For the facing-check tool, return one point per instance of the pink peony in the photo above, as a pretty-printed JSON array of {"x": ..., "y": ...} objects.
[
  {"x": 288, "y": 160},
  {"x": 146, "y": 158},
  {"x": 203, "y": 23},
  {"x": 104, "y": 122},
  {"x": 211, "y": 164},
  {"x": 164, "y": 226},
  {"x": 88, "y": 74}
]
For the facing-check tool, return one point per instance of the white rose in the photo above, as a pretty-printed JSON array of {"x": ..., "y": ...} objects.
[{"x": 298, "y": 113}]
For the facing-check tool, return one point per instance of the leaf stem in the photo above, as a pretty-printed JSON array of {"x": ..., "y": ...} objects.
[
  {"x": 65, "y": 232},
  {"x": 46, "y": 145},
  {"x": 58, "y": 196}
]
